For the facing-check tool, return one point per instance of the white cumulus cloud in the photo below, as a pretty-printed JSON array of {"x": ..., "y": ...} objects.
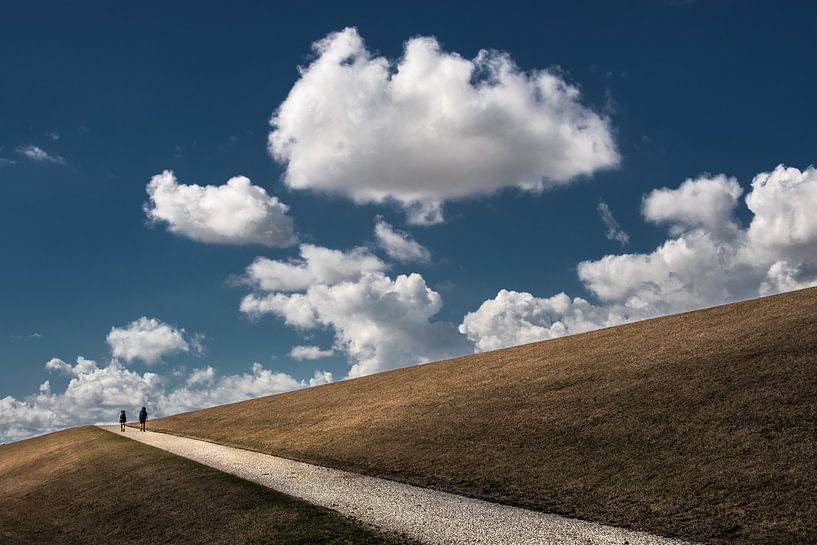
[
  {"x": 201, "y": 376},
  {"x": 379, "y": 322},
  {"x": 432, "y": 126},
  {"x": 783, "y": 276},
  {"x": 93, "y": 394},
  {"x": 317, "y": 265},
  {"x": 784, "y": 204},
  {"x": 96, "y": 394},
  {"x": 686, "y": 272},
  {"x": 149, "y": 339},
  {"x": 709, "y": 259},
  {"x": 237, "y": 212},
  {"x": 513, "y": 318},
  {"x": 399, "y": 245},
  {"x": 706, "y": 201},
  {"x": 205, "y": 389},
  {"x": 309, "y": 352}
]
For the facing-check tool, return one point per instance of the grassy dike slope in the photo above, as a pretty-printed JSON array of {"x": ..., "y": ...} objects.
[
  {"x": 699, "y": 425},
  {"x": 88, "y": 486}
]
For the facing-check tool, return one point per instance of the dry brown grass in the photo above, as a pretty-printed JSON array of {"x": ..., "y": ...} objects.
[
  {"x": 699, "y": 425},
  {"x": 88, "y": 486}
]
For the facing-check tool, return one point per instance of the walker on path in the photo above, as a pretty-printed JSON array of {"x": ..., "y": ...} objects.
[{"x": 143, "y": 417}]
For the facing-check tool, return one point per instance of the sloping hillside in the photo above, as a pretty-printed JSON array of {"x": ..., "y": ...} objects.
[
  {"x": 88, "y": 486},
  {"x": 699, "y": 425}
]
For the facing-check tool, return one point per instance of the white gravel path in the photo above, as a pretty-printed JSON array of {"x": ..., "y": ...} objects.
[{"x": 426, "y": 515}]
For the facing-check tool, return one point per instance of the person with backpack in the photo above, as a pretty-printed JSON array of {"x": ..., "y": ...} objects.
[
  {"x": 122, "y": 419},
  {"x": 143, "y": 417}
]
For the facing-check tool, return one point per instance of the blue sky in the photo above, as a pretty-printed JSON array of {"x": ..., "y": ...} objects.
[{"x": 98, "y": 99}]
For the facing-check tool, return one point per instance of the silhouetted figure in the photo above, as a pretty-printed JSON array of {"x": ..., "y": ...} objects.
[
  {"x": 122, "y": 419},
  {"x": 143, "y": 417}
]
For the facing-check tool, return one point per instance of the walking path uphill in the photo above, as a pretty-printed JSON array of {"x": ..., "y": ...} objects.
[{"x": 426, "y": 515}]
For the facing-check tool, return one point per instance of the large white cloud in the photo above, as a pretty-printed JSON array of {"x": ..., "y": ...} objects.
[
  {"x": 149, "y": 339},
  {"x": 317, "y": 265},
  {"x": 709, "y": 260},
  {"x": 234, "y": 213},
  {"x": 96, "y": 394},
  {"x": 400, "y": 245},
  {"x": 379, "y": 322},
  {"x": 431, "y": 126},
  {"x": 693, "y": 270}
]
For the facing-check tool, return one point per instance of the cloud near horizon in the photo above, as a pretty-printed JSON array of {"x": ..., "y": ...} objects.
[
  {"x": 96, "y": 394},
  {"x": 710, "y": 259},
  {"x": 513, "y": 318},
  {"x": 236, "y": 213},
  {"x": 432, "y": 126}
]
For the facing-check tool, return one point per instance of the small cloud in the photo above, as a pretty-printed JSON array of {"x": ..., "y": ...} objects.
[
  {"x": 321, "y": 377},
  {"x": 53, "y": 135},
  {"x": 34, "y": 335},
  {"x": 611, "y": 106},
  {"x": 399, "y": 245},
  {"x": 6, "y": 162},
  {"x": 708, "y": 200},
  {"x": 309, "y": 353},
  {"x": 149, "y": 339},
  {"x": 445, "y": 285},
  {"x": 237, "y": 212},
  {"x": 614, "y": 230},
  {"x": 317, "y": 265},
  {"x": 36, "y": 153},
  {"x": 201, "y": 376}
]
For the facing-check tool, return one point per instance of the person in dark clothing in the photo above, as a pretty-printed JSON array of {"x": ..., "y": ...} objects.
[
  {"x": 143, "y": 417},
  {"x": 122, "y": 419}
]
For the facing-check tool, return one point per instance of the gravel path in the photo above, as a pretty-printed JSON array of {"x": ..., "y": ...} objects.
[{"x": 426, "y": 515}]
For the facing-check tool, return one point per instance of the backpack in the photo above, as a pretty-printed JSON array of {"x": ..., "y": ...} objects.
[
  {"x": 143, "y": 414},
  {"x": 122, "y": 417}
]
